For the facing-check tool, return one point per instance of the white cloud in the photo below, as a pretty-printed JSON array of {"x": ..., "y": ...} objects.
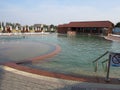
[{"x": 55, "y": 14}]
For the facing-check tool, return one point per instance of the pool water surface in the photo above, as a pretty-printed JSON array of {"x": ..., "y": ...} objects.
[{"x": 75, "y": 57}]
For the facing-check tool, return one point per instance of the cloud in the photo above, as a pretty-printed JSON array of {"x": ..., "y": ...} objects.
[{"x": 54, "y": 12}]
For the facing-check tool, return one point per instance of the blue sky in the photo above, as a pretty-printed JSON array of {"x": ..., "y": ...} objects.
[{"x": 58, "y": 11}]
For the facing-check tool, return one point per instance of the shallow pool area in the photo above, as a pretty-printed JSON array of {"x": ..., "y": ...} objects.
[
  {"x": 17, "y": 49},
  {"x": 75, "y": 57}
]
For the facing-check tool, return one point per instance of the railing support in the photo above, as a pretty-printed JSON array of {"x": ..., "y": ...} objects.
[
  {"x": 95, "y": 67},
  {"x": 108, "y": 70},
  {"x": 95, "y": 61},
  {"x": 106, "y": 65}
]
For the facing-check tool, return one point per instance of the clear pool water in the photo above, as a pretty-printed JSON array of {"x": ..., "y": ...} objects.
[
  {"x": 13, "y": 48},
  {"x": 75, "y": 58}
]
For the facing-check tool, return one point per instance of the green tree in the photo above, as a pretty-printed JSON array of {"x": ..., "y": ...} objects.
[
  {"x": 51, "y": 26},
  {"x": 30, "y": 27},
  {"x": 46, "y": 28},
  {"x": 0, "y": 25},
  {"x": 13, "y": 25},
  {"x": 118, "y": 25}
]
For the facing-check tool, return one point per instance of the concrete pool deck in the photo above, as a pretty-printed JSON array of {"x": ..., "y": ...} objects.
[
  {"x": 113, "y": 37},
  {"x": 13, "y": 79}
]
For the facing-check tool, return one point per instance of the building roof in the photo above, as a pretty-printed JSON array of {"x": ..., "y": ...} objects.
[
  {"x": 37, "y": 25},
  {"x": 89, "y": 24}
]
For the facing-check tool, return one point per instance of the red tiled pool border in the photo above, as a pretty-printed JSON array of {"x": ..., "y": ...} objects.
[
  {"x": 62, "y": 76},
  {"x": 38, "y": 58}
]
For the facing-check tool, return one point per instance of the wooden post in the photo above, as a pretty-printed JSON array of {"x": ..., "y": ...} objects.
[
  {"x": 91, "y": 31},
  {"x": 83, "y": 30},
  {"x": 108, "y": 70}
]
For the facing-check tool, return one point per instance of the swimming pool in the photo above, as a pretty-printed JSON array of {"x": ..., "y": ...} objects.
[{"x": 75, "y": 57}]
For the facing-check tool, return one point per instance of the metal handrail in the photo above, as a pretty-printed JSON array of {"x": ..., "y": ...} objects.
[
  {"x": 105, "y": 61},
  {"x": 100, "y": 56}
]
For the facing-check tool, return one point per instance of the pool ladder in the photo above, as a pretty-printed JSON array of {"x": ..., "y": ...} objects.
[{"x": 95, "y": 62}]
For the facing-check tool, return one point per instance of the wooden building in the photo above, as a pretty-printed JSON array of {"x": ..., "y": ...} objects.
[{"x": 88, "y": 27}]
